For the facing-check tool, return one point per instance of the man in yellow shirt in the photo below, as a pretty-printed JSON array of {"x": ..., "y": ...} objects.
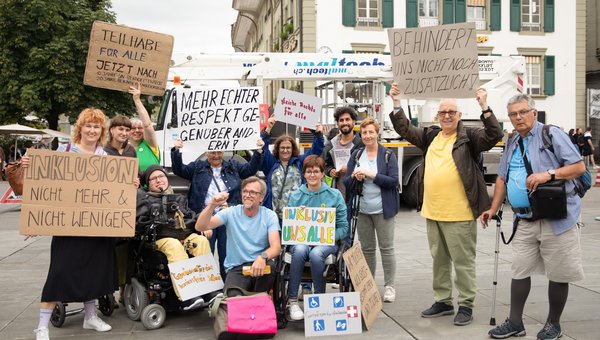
[{"x": 452, "y": 194}]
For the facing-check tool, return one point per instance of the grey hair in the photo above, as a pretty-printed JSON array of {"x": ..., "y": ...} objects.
[
  {"x": 521, "y": 97},
  {"x": 253, "y": 179},
  {"x": 135, "y": 120}
]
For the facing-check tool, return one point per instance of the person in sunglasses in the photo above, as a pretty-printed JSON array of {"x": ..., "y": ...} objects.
[{"x": 452, "y": 196}]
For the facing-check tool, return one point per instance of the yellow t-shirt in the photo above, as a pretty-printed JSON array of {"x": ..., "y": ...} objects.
[{"x": 444, "y": 198}]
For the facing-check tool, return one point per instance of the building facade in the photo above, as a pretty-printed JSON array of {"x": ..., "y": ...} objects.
[{"x": 553, "y": 45}]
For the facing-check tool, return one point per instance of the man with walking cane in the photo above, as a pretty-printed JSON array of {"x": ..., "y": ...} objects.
[{"x": 544, "y": 241}]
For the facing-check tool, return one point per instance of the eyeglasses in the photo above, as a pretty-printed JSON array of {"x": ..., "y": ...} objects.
[
  {"x": 285, "y": 148},
  {"x": 450, "y": 113},
  {"x": 312, "y": 172},
  {"x": 155, "y": 178},
  {"x": 250, "y": 193},
  {"x": 520, "y": 113}
]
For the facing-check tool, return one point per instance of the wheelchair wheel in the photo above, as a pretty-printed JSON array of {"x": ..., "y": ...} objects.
[
  {"x": 106, "y": 304},
  {"x": 135, "y": 299},
  {"x": 344, "y": 278},
  {"x": 153, "y": 316},
  {"x": 58, "y": 315}
]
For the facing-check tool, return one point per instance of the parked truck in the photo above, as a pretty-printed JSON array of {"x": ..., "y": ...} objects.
[{"x": 359, "y": 80}]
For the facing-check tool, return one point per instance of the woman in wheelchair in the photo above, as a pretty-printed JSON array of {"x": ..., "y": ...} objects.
[
  {"x": 175, "y": 222},
  {"x": 315, "y": 193}
]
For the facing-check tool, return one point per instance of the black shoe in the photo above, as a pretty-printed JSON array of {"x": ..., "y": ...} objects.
[
  {"x": 210, "y": 297},
  {"x": 507, "y": 329},
  {"x": 551, "y": 331},
  {"x": 464, "y": 316},
  {"x": 438, "y": 309},
  {"x": 193, "y": 304}
]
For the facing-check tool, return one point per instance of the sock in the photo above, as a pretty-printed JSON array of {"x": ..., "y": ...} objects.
[
  {"x": 557, "y": 298},
  {"x": 90, "y": 309},
  {"x": 45, "y": 315},
  {"x": 519, "y": 291}
]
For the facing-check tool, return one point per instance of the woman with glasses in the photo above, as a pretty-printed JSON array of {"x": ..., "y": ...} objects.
[
  {"x": 314, "y": 193},
  {"x": 143, "y": 136},
  {"x": 211, "y": 176},
  {"x": 81, "y": 268},
  {"x": 377, "y": 169}
]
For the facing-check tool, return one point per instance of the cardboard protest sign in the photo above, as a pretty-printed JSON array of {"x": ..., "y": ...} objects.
[
  {"x": 120, "y": 56},
  {"x": 332, "y": 314},
  {"x": 363, "y": 282},
  {"x": 74, "y": 194},
  {"x": 218, "y": 119},
  {"x": 298, "y": 109},
  {"x": 310, "y": 226},
  {"x": 435, "y": 62},
  {"x": 196, "y": 276}
]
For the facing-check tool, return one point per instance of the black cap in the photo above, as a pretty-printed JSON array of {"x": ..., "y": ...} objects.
[{"x": 149, "y": 171}]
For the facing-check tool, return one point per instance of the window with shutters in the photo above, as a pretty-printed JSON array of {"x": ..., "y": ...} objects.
[
  {"x": 534, "y": 74},
  {"x": 428, "y": 13},
  {"x": 476, "y": 12},
  {"x": 367, "y": 13},
  {"x": 531, "y": 17}
]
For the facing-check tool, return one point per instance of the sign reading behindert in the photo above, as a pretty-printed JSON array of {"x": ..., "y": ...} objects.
[
  {"x": 120, "y": 56},
  {"x": 435, "y": 62},
  {"x": 196, "y": 276},
  {"x": 298, "y": 109},
  {"x": 332, "y": 314},
  {"x": 74, "y": 194},
  {"x": 363, "y": 282},
  {"x": 310, "y": 226},
  {"x": 218, "y": 119}
]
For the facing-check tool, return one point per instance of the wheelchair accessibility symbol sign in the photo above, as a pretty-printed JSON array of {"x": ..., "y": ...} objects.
[{"x": 332, "y": 314}]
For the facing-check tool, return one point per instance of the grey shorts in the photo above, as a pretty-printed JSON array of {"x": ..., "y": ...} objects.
[{"x": 536, "y": 250}]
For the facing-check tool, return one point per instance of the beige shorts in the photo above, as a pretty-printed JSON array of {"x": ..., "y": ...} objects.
[{"x": 536, "y": 250}]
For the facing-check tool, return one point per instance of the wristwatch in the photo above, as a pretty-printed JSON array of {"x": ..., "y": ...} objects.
[
  {"x": 552, "y": 173},
  {"x": 264, "y": 255}
]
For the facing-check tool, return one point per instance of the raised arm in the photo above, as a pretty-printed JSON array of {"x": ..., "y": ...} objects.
[
  {"x": 149, "y": 134},
  {"x": 180, "y": 169},
  {"x": 206, "y": 220},
  {"x": 402, "y": 124},
  {"x": 486, "y": 138}
]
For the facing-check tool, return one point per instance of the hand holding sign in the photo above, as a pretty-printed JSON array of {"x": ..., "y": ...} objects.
[
  {"x": 298, "y": 109},
  {"x": 270, "y": 123},
  {"x": 481, "y": 96}
]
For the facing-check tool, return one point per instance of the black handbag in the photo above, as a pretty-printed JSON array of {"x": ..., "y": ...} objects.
[{"x": 549, "y": 200}]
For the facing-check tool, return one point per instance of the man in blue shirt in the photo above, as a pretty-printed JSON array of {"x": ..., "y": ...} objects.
[
  {"x": 549, "y": 246},
  {"x": 253, "y": 239}
]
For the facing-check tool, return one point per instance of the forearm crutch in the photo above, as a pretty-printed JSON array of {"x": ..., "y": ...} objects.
[{"x": 498, "y": 218}]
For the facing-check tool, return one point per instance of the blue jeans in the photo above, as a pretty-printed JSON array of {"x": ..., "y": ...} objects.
[
  {"x": 316, "y": 255},
  {"x": 220, "y": 235}
]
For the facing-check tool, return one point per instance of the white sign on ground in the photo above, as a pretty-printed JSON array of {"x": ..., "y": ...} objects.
[
  {"x": 310, "y": 226},
  {"x": 196, "y": 276},
  {"x": 298, "y": 109},
  {"x": 332, "y": 314},
  {"x": 218, "y": 119},
  {"x": 435, "y": 62}
]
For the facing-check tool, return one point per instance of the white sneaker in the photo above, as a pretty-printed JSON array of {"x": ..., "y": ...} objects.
[
  {"x": 294, "y": 312},
  {"x": 335, "y": 286},
  {"x": 97, "y": 324},
  {"x": 41, "y": 333},
  {"x": 390, "y": 294},
  {"x": 597, "y": 218},
  {"x": 302, "y": 293}
]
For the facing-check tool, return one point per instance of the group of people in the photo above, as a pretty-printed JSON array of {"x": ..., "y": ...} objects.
[
  {"x": 232, "y": 211},
  {"x": 584, "y": 143}
]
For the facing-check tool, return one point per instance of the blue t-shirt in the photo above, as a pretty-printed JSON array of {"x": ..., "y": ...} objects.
[
  {"x": 517, "y": 176},
  {"x": 247, "y": 237}
]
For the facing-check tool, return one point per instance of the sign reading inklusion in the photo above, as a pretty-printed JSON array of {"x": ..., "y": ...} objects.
[{"x": 73, "y": 194}]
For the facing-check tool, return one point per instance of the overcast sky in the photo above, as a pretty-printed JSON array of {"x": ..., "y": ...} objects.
[{"x": 197, "y": 25}]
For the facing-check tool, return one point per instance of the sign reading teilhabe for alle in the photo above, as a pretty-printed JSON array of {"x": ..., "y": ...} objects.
[
  {"x": 332, "y": 314},
  {"x": 196, "y": 276},
  {"x": 310, "y": 226},
  {"x": 298, "y": 109}
]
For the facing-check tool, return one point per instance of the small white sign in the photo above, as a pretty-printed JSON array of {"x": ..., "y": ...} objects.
[
  {"x": 196, "y": 276},
  {"x": 298, "y": 109},
  {"x": 310, "y": 226},
  {"x": 341, "y": 157},
  {"x": 332, "y": 314}
]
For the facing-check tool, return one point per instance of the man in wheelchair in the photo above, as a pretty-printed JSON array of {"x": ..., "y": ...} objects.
[
  {"x": 315, "y": 193},
  {"x": 160, "y": 208}
]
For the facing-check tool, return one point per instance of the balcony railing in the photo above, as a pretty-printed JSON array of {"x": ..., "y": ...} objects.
[{"x": 428, "y": 21}]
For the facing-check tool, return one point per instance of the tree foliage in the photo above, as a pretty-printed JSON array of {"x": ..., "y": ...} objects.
[{"x": 43, "y": 50}]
